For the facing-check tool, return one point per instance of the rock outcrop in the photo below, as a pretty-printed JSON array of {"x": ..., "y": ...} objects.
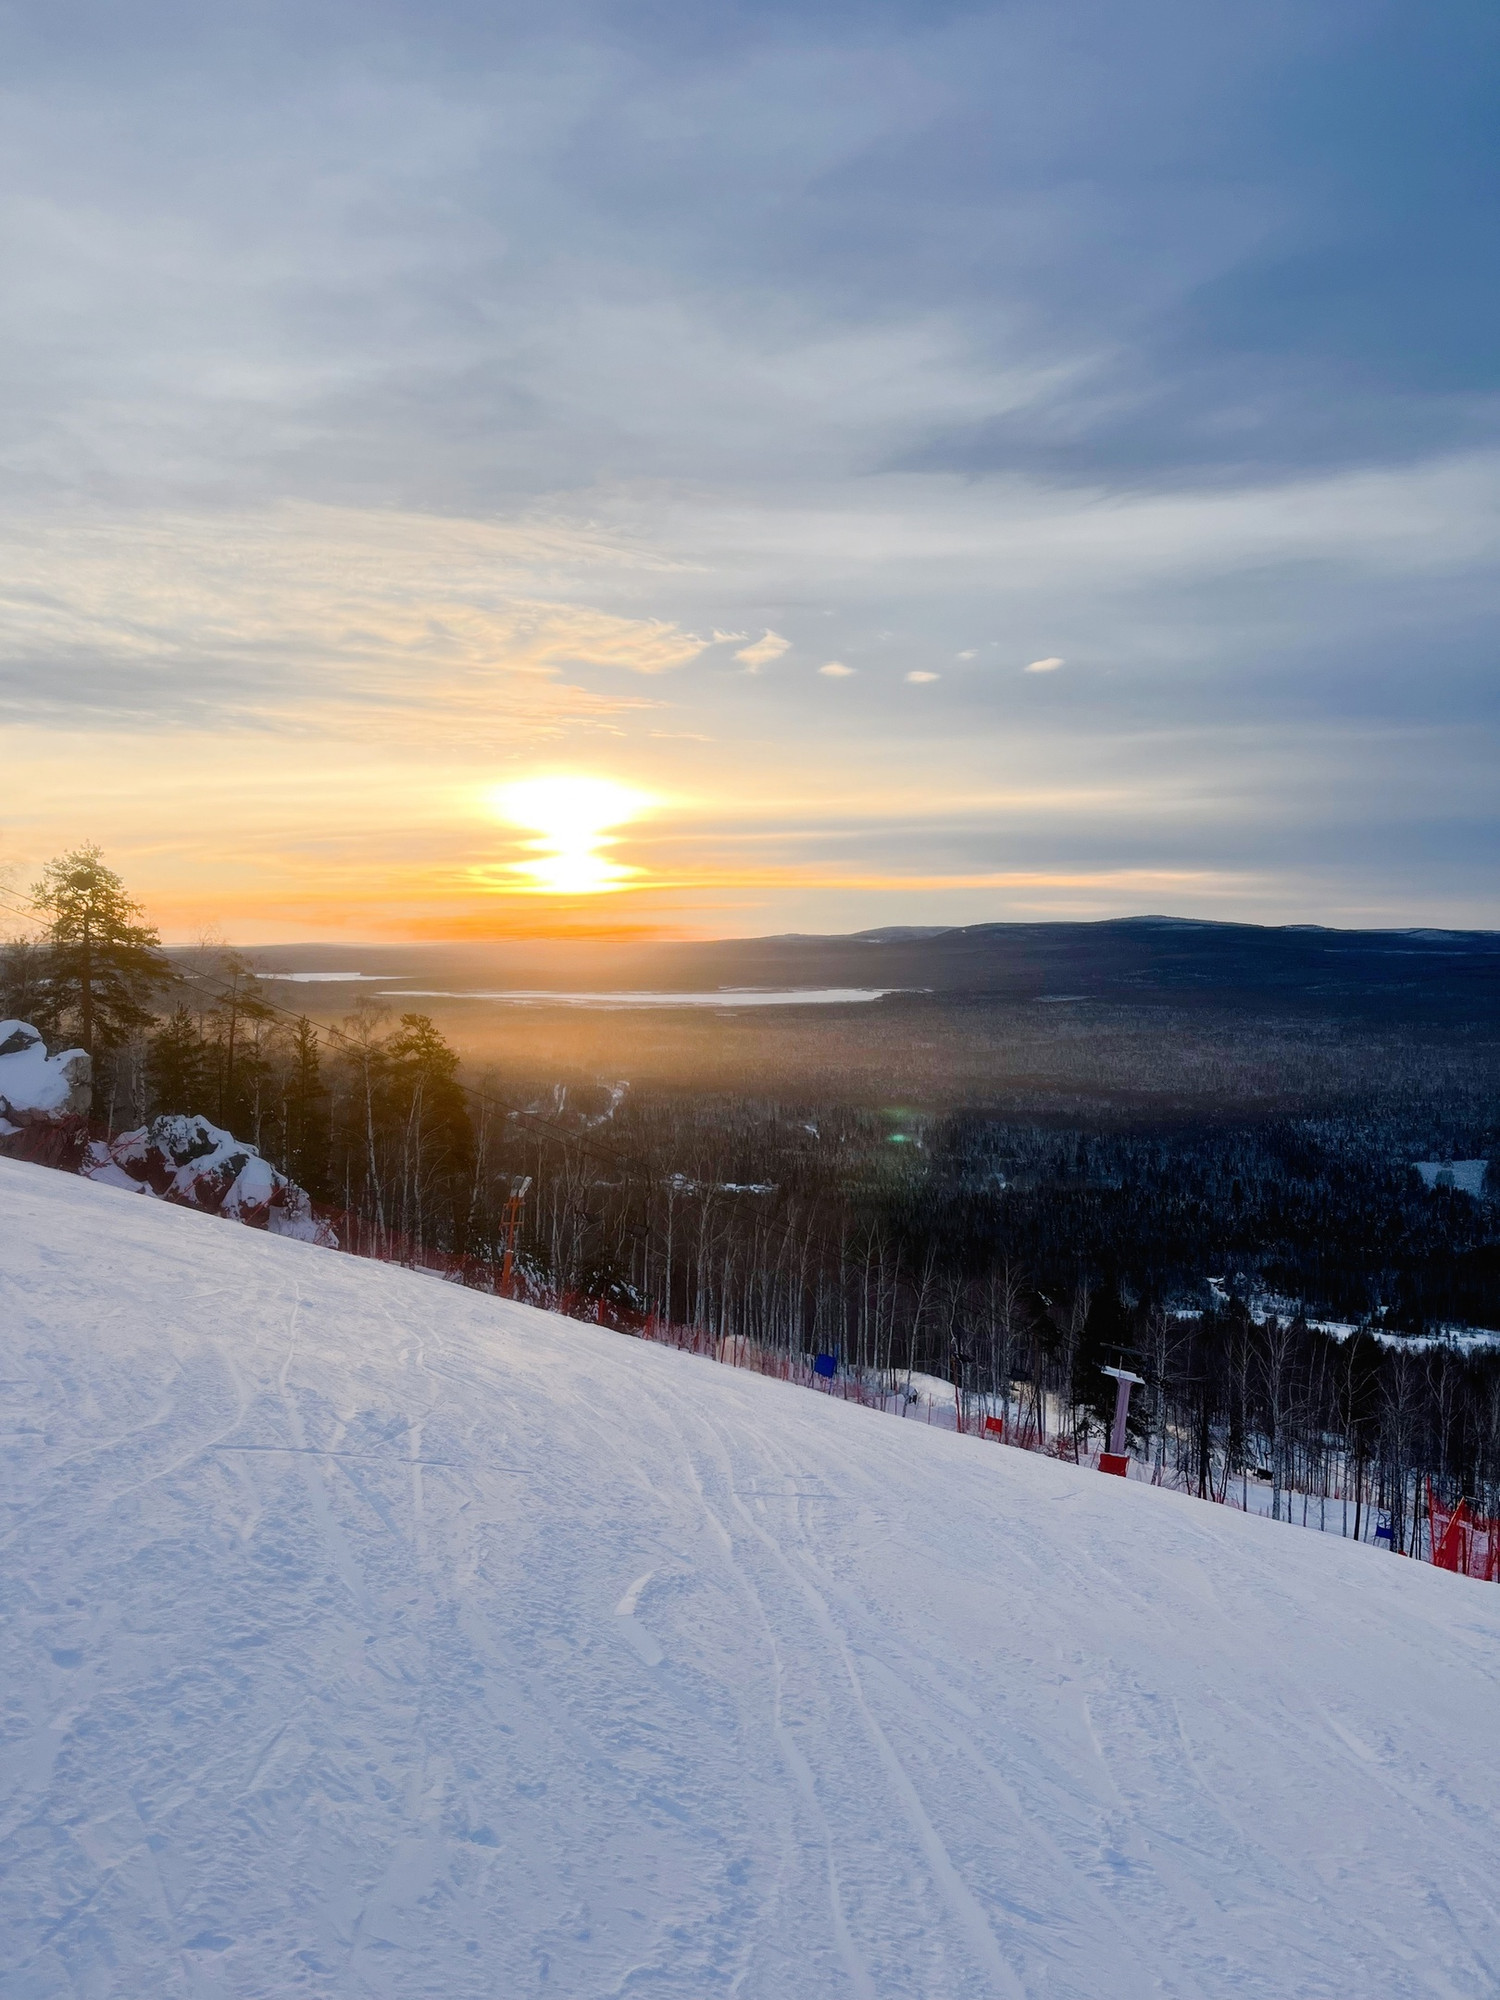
[
  {"x": 198, "y": 1165},
  {"x": 44, "y": 1108},
  {"x": 38, "y": 1089}
]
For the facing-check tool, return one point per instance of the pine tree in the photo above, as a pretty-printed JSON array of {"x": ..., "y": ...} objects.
[
  {"x": 178, "y": 1063},
  {"x": 104, "y": 961},
  {"x": 305, "y": 1114},
  {"x": 26, "y": 989},
  {"x": 238, "y": 1017},
  {"x": 437, "y": 1138},
  {"x": 425, "y": 1067}
]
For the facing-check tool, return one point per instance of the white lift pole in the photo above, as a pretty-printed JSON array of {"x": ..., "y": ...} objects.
[{"x": 1114, "y": 1460}]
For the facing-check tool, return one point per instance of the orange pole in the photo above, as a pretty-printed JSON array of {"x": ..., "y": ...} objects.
[{"x": 512, "y": 1223}]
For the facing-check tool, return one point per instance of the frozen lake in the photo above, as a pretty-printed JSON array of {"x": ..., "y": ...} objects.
[{"x": 734, "y": 996}]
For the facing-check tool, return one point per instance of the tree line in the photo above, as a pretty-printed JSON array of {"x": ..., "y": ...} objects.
[
  {"x": 376, "y": 1125},
  {"x": 812, "y": 1233}
]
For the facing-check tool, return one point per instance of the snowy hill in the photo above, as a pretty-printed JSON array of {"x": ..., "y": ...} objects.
[{"x": 366, "y": 1636}]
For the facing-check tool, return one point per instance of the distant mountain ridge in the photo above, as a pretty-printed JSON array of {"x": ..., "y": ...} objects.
[{"x": 1156, "y": 959}]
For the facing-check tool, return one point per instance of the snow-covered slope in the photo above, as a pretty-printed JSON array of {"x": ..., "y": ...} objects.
[{"x": 365, "y": 1636}]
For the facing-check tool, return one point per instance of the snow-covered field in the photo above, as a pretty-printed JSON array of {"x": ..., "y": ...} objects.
[{"x": 366, "y": 1636}]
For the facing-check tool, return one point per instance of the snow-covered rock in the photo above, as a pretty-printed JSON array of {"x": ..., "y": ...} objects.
[
  {"x": 199, "y": 1165},
  {"x": 38, "y": 1089},
  {"x": 44, "y": 1106}
]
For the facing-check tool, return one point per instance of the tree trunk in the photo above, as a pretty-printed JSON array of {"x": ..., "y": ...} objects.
[{"x": 86, "y": 991}]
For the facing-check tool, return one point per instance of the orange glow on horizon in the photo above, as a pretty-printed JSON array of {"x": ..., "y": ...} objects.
[{"x": 435, "y": 904}]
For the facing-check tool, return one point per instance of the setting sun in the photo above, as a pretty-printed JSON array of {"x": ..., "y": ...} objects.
[{"x": 572, "y": 817}]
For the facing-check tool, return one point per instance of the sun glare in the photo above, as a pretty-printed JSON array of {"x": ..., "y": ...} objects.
[{"x": 572, "y": 818}]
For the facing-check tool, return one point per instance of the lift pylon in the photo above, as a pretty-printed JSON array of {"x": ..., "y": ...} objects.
[{"x": 1115, "y": 1460}]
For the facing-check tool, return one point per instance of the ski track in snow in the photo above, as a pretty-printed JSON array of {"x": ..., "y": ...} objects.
[{"x": 365, "y": 1636}]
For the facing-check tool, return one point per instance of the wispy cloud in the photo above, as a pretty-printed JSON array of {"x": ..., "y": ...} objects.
[
  {"x": 764, "y": 651},
  {"x": 837, "y": 671},
  {"x": 919, "y": 676},
  {"x": 1048, "y": 666},
  {"x": 284, "y": 615}
]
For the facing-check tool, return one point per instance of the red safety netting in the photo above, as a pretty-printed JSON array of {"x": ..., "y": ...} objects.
[{"x": 1462, "y": 1540}]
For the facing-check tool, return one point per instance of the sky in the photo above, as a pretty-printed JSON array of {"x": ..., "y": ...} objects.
[{"x": 898, "y": 463}]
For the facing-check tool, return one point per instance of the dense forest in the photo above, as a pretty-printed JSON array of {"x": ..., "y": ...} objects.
[{"x": 1011, "y": 1253}]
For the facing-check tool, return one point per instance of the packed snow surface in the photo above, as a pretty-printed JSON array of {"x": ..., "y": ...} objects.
[{"x": 366, "y": 1636}]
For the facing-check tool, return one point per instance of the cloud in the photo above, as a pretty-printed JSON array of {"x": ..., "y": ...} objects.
[
  {"x": 552, "y": 633},
  {"x": 284, "y": 615},
  {"x": 919, "y": 675},
  {"x": 970, "y": 655},
  {"x": 837, "y": 671},
  {"x": 420, "y": 385},
  {"x": 771, "y": 647}
]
